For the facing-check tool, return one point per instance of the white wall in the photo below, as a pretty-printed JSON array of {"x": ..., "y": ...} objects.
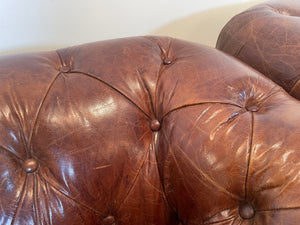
[{"x": 48, "y": 24}]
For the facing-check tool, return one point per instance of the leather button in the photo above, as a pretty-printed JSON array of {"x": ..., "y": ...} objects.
[
  {"x": 246, "y": 210},
  {"x": 64, "y": 69},
  {"x": 167, "y": 61},
  {"x": 252, "y": 108},
  {"x": 109, "y": 220},
  {"x": 30, "y": 165},
  {"x": 155, "y": 125}
]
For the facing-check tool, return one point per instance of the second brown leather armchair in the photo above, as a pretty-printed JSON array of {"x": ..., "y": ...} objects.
[{"x": 267, "y": 37}]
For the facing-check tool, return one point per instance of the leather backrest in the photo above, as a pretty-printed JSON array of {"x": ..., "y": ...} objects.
[
  {"x": 267, "y": 37},
  {"x": 145, "y": 130}
]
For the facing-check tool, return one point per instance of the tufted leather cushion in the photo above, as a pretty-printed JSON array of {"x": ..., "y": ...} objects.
[
  {"x": 145, "y": 130},
  {"x": 267, "y": 37}
]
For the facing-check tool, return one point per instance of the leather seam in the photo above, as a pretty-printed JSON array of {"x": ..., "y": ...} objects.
[
  {"x": 11, "y": 153},
  {"x": 162, "y": 184},
  {"x": 136, "y": 176},
  {"x": 199, "y": 103},
  {"x": 161, "y": 70},
  {"x": 180, "y": 170},
  {"x": 207, "y": 177},
  {"x": 19, "y": 203},
  {"x": 35, "y": 200},
  {"x": 294, "y": 87},
  {"x": 145, "y": 87},
  {"x": 60, "y": 58},
  {"x": 277, "y": 209},
  {"x": 113, "y": 88},
  {"x": 69, "y": 197},
  {"x": 249, "y": 160},
  {"x": 39, "y": 110}
]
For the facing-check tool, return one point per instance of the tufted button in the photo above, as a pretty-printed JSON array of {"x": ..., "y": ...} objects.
[
  {"x": 252, "y": 108},
  {"x": 246, "y": 210},
  {"x": 64, "y": 69},
  {"x": 109, "y": 220},
  {"x": 167, "y": 61},
  {"x": 155, "y": 125},
  {"x": 30, "y": 165}
]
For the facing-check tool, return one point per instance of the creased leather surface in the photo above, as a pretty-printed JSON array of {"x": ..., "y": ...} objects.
[
  {"x": 267, "y": 37},
  {"x": 77, "y": 145}
]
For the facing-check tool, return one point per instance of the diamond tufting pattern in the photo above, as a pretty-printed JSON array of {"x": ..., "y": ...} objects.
[{"x": 145, "y": 130}]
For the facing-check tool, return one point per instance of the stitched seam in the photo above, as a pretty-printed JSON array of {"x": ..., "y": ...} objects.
[
  {"x": 136, "y": 176},
  {"x": 145, "y": 87},
  {"x": 294, "y": 87},
  {"x": 269, "y": 96},
  {"x": 60, "y": 58},
  {"x": 35, "y": 201},
  {"x": 199, "y": 103},
  {"x": 161, "y": 183},
  {"x": 160, "y": 72},
  {"x": 19, "y": 203},
  {"x": 206, "y": 177},
  {"x": 49, "y": 218},
  {"x": 115, "y": 89},
  {"x": 13, "y": 154},
  {"x": 278, "y": 209},
  {"x": 249, "y": 156},
  {"x": 179, "y": 169},
  {"x": 69, "y": 197},
  {"x": 39, "y": 110}
]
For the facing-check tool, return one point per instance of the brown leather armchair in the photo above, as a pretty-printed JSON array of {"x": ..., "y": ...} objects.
[
  {"x": 145, "y": 131},
  {"x": 267, "y": 37}
]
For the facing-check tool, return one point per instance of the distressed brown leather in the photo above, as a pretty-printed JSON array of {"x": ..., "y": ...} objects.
[
  {"x": 267, "y": 37},
  {"x": 145, "y": 131}
]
